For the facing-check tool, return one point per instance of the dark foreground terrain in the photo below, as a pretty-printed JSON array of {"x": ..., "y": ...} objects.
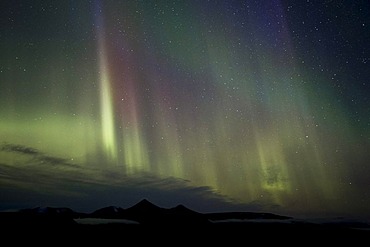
[{"x": 147, "y": 223}]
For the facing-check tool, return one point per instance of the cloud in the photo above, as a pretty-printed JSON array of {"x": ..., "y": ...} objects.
[
  {"x": 19, "y": 149},
  {"x": 55, "y": 181},
  {"x": 35, "y": 154}
]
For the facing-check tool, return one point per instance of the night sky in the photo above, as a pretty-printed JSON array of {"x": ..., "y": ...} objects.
[{"x": 218, "y": 105}]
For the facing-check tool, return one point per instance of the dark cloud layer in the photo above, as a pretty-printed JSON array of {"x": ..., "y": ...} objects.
[{"x": 48, "y": 180}]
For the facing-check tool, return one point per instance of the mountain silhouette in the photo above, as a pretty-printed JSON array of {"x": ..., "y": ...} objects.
[
  {"x": 112, "y": 223},
  {"x": 41, "y": 217},
  {"x": 245, "y": 216},
  {"x": 145, "y": 212},
  {"x": 144, "y": 207},
  {"x": 181, "y": 209},
  {"x": 181, "y": 214},
  {"x": 51, "y": 211},
  {"x": 110, "y": 212}
]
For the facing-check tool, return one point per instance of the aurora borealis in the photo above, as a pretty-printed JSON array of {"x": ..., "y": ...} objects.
[{"x": 255, "y": 103}]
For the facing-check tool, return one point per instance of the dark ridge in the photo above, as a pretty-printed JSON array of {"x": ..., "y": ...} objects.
[
  {"x": 217, "y": 227},
  {"x": 183, "y": 215},
  {"x": 50, "y": 211},
  {"x": 144, "y": 206},
  {"x": 245, "y": 216},
  {"x": 39, "y": 217},
  {"x": 110, "y": 212},
  {"x": 182, "y": 208},
  {"x": 145, "y": 212}
]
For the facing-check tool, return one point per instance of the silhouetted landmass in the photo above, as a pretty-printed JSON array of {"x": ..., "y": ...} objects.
[
  {"x": 147, "y": 213},
  {"x": 51, "y": 212},
  {"x": 144, "y": 220},
  {"x": 245, "y": 215},
  {"x": 110, "y": 212}
]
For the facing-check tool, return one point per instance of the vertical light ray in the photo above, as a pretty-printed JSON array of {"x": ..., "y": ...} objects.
[
  {"x": 134, "y": 146},
  {"x": 278, "y": 116},
  {"x": 169, "y": 160},
  {"x": 107, "y": 115},
  {"x": 106, "y": 100}
]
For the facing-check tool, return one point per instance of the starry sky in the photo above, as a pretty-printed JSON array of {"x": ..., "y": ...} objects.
[{"x": 218, "y": 105}]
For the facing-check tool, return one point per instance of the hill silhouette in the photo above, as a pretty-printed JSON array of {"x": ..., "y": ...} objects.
[
  {"x": 110, "y": 212},
  {"x": 145, "y": 218},
  {"x": 50, "y": 211},
  {"x": 146, "y": 212}
]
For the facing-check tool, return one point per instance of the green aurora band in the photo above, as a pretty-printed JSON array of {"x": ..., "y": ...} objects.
[{"x": 170, "y": 90}]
